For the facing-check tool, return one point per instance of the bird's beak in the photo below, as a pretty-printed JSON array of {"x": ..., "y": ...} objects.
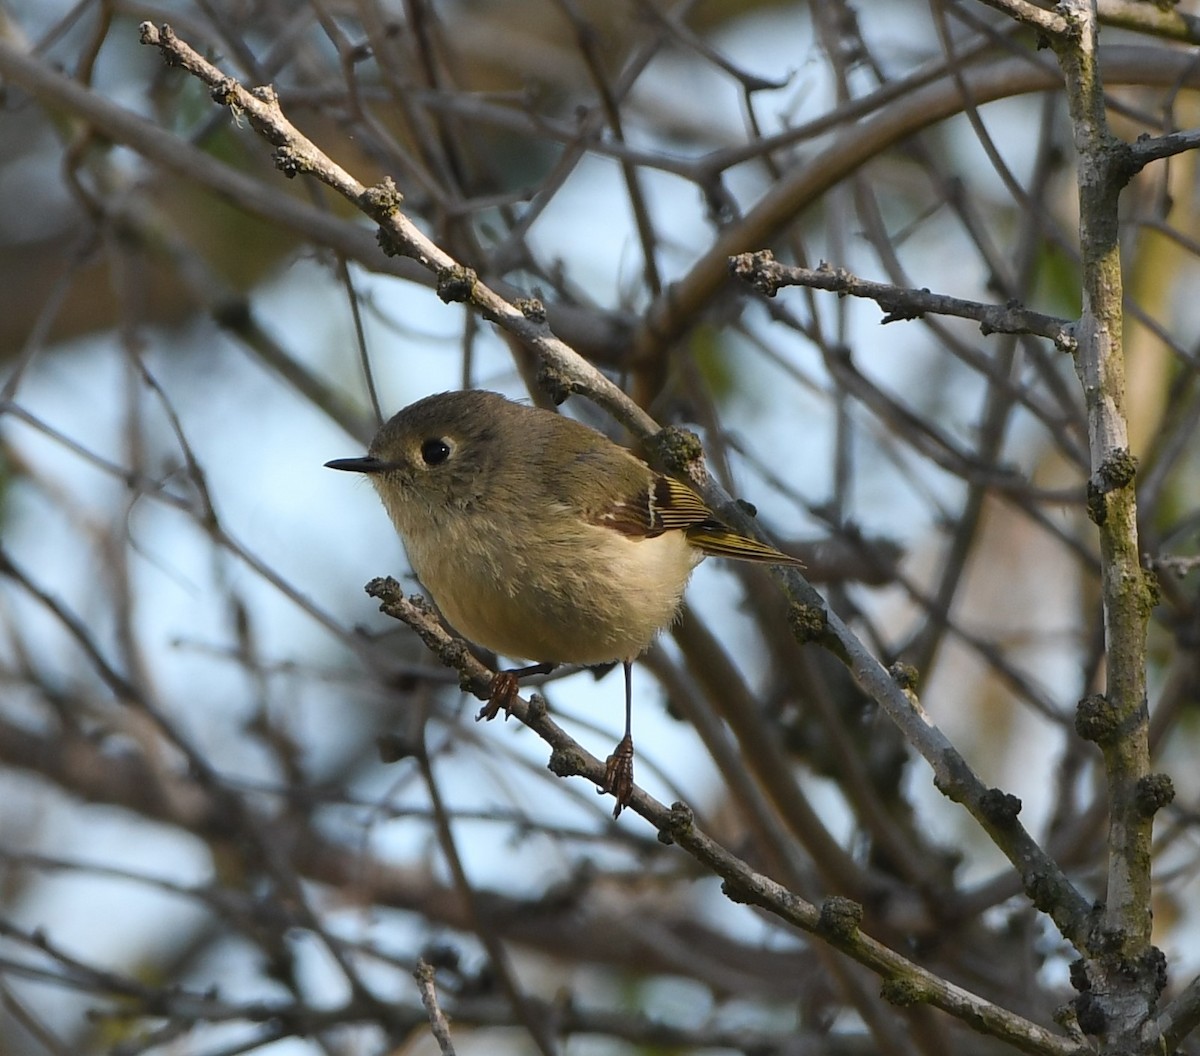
[{"x": 366, "y": 464}]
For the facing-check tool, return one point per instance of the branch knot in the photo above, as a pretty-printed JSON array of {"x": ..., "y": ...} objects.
[{"x": 840, "y": 917}]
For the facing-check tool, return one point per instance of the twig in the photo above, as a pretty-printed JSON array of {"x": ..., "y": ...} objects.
[
  {"x": 1165, "y": 20},
  {"x": 1146, "y": 148},
  {"x": 1039, "y": 18},
  {"x": 561, "y": 369},
  {"x": 768, "y": 276},
  {"x": 536, "y": 1024},
  {"x": 1179, "y": 1018},
  {"x": 670, "y": 316},
  {"x": 1177, "y": 564},
  {"x": 437, "y": 1018}
]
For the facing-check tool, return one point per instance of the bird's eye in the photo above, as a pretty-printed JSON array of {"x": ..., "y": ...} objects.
[{"x": 435, "y": 451}]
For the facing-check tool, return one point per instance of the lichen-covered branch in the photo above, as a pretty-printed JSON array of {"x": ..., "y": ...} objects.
[{"x": 1123, "y": 974}]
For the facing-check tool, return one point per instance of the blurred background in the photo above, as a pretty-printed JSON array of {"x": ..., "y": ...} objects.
[{"x": 203, "y": 849}]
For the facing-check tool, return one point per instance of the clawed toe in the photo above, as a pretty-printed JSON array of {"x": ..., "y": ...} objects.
[
  {"x": 618, "y": 774},
  {"x": 501, "y": 695}
]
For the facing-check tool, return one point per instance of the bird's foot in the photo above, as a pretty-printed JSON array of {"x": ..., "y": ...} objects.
[
  {"x": 618, "y": 774},
  {"x": 503, "y": 691},
  {"x": 501, "y": 694}
]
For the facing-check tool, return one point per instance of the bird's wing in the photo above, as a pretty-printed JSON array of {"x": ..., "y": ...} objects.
[{"x": 666, "y": 504}]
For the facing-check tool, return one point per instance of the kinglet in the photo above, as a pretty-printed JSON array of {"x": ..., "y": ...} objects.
[{"x": 541, "y": 539}]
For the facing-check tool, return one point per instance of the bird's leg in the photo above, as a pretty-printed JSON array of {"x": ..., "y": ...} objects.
[
  {"x": 618, "y": 767},
  {"x": 503, "y": 690}
]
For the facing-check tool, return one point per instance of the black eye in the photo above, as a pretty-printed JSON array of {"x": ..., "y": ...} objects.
[{"x": 435, "y": 451}]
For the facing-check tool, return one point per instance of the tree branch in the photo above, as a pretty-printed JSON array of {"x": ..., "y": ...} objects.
[
  {"x": 670, "y": 316},
  {"x": 437, "y": 1018},
  {"x": 1125, "y": 974},
  {"x": 1146, "y": 149},
  {"x": 1039, "y": 18},
  {"x": 562, "y": 369},
  {"x": 836, "y": 920},
  {"x": 1164, "y": 20},
  {"x": 762, "y": 271}
]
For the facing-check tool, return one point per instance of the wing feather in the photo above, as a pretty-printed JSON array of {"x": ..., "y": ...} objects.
[{"x": 667, "y": 504}]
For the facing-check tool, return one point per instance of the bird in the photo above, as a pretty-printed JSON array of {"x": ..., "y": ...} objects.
[{"x": 541, "y": 539}]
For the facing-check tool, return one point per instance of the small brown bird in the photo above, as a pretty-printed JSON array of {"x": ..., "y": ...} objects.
[{"x": 541, "y": 539}]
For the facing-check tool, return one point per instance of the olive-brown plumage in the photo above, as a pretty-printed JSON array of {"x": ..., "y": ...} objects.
[{"x": 538, "y": 537}]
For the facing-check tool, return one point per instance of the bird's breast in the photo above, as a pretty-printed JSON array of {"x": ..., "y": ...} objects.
[{"x": 582, "y": 595}]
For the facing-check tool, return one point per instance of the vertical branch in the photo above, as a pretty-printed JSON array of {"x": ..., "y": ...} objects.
[{"x": 1123, "y": 972}]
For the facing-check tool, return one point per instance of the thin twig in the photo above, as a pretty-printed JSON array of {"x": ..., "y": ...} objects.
[
  {"x": 1039, "y": 18},
  {"x": 424, "y": 976},
  {"x": 562, "y": 369},
  {"x": 762, "y": 271},
  {"x": 534, "y": 1022}
]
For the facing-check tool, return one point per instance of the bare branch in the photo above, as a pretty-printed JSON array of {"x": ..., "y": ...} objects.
[
  {"x": 1039, "y": 18},
  {"x": 424, "y": 975},
  {"x": 1179, "y": 1019},
  {"x": 670, "y": 315},
  {"x": 1146, "y": 149},
  {"x": 836, "y": 921},
  {"x": 1164, "y": 20},
  {"x": 562, "y": 369},
  {"x": 762, "y": 271}
]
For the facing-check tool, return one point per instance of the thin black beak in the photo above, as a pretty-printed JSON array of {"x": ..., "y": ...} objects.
[{"x": 366, "y": 464}]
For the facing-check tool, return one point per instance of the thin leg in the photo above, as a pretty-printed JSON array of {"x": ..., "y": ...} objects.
[
  {"x": 504, "y": 688},
  {"x": 618, "y": 768}
]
